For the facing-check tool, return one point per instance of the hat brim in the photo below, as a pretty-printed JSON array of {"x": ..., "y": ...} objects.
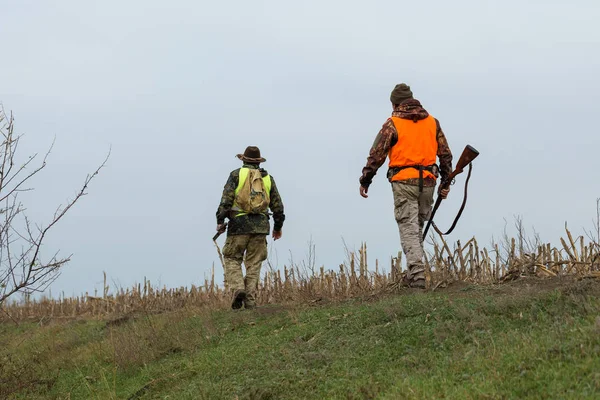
[{"x": 251, "y": 160}]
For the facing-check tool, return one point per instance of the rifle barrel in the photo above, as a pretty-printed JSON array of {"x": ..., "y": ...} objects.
[{"x": 438, "y": 201}]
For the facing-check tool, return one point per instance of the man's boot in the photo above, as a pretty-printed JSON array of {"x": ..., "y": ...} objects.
[
  {"x": 239, "y": 296},
  {"x": 249, "y": 302},
  {"x": 415, "y": 277}
]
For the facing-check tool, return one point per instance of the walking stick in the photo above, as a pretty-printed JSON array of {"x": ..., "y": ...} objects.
[{"x": 219, "y": 233}]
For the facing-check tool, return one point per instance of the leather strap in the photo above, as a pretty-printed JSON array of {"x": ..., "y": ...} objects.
[{"x": 462, "y": 207}]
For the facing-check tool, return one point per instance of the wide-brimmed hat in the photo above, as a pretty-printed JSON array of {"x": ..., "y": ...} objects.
[{"x": 251, "y": 155}]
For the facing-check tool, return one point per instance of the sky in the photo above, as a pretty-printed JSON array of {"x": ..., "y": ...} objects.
[{"x": 176, "y": 89}]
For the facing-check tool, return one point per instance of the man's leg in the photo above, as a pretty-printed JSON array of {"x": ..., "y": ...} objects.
[
  {"x": 406, "y": 211},
  {"x": 233, "y": 255},
  {"x": 256, "y": 254}
]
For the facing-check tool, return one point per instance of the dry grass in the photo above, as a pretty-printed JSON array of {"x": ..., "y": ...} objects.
[{"x": 467, "y": 262}]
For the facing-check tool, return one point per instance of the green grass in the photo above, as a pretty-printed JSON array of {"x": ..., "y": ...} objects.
[{"x": 514, "y": 341}]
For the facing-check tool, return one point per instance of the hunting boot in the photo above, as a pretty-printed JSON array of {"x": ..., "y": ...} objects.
[
  {"x": 239, "y": 296},
  {"x": 249, "y": 302},
  {"x": 415, "y": 277}
]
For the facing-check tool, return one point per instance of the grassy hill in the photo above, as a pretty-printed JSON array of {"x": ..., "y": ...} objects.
[{"x": 530, "y": 338}]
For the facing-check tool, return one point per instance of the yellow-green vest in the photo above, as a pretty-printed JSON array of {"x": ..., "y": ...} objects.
[{"x": 244, "y": 172}]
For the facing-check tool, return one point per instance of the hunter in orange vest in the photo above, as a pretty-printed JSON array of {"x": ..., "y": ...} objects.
[{"x": 412, "y": 140}]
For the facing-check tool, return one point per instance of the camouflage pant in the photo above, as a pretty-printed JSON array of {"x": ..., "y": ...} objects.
[
  {"x": 254, "y": 247},
  {"x": 412, "y": 209}
]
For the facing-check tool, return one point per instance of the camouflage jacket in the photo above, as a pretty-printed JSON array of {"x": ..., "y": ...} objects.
[
  {"x": 250, "y": 223},
  {"x": 388, "y": 137}
]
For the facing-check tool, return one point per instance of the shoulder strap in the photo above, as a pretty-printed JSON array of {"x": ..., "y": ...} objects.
[
  {"x": 268, "y": 184},
  {"x": 243, "y": 175}
]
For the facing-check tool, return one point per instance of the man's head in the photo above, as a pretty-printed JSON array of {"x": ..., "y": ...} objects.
[
  {"x": 251, "y": 156},
  {"x": 400, "y": 93}
]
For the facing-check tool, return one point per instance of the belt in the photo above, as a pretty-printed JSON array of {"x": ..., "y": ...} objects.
[
  {"x": 427, "y": 182},
  {"x": 433, "y": 168}
]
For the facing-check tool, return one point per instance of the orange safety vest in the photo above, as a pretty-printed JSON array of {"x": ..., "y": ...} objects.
[{"x": 417, "y": 145}]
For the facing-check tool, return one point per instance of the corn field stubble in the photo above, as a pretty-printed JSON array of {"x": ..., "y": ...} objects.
[
  {"x": 530, "y": 338},
  {"x": 463, "y": 262},
  {"x": 505, "y": 323}
]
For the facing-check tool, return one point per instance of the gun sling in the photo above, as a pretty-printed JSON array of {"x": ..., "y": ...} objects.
[{"x": 462, "y": 207}]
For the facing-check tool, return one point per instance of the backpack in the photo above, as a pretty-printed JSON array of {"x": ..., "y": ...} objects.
[{"x": 252, "y": 195}]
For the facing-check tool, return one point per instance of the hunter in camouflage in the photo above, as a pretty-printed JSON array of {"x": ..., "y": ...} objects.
[
  {"x": 413, "y": 196},
  {"x": 247, "y": 233}
]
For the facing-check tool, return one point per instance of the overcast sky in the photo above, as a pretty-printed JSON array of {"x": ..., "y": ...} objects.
[{"x": 177, "y": 88}]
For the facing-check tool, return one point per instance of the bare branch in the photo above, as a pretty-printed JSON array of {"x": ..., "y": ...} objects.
[{"x": 21, "y": 266}]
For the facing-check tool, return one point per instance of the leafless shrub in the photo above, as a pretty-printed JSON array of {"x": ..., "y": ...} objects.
[{"x": 23, "y": 269}]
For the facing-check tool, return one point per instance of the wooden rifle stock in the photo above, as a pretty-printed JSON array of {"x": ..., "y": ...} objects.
[
  {"x": 467, "y": 156},
  {"x": 220, "y": 232}
]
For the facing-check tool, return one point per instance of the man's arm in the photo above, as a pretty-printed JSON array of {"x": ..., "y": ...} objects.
[
  {"x": 276, "y": 205},
  {"x": 384, "y": 141},
  {"x": 228, "y": 197},
  {"x": 444, "y": 154}
]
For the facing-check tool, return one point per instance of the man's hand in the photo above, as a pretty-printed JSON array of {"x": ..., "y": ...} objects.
[
  {"x": 277, "y": 235},
  {"x": 221, "y": 228},
  {"x": 364, "y": 191},
  {"x": 443, "y": 192}
]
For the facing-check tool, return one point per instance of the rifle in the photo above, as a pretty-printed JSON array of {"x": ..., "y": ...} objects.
[
  {"x": 468, "y": 155},
  {"x": 220, "y": 232}
]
